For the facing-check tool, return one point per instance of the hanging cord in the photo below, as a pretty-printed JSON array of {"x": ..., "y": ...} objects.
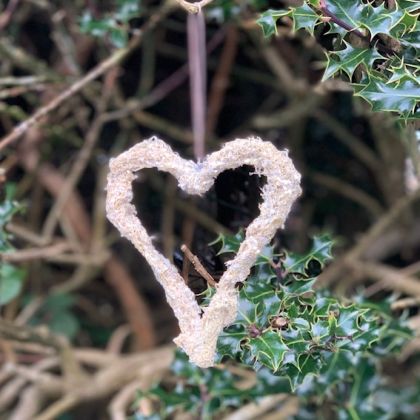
[{"x": 198, "y": 66}]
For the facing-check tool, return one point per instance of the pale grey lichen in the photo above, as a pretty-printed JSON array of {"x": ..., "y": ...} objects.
[{"x": 199, "y": 332}]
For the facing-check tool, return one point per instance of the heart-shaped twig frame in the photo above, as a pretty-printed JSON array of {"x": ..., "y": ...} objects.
[{"x": 200, "y": 331}]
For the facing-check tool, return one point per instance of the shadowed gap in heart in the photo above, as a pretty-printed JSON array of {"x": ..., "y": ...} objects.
[{"x": 232, "y": 202}]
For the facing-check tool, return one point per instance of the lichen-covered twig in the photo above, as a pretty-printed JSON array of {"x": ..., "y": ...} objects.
[{"x": 199, "y": 333}]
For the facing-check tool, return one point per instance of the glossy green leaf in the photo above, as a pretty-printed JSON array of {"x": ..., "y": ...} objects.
[
  {"x": 229, "y": 243},
  {"x": 320, "y": 251},
  {"x": 268, "y": 349},
  {"x": 349, "y": 59},
  {"x": 401, "y": 96},
  {"x": 11, "y": 282}
]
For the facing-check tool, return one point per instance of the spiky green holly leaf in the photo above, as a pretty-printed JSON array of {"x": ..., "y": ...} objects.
[
  {"x": 411, "y": 40},
  {"x": 320, "y": 251},
  {"x": 348, "y": 59},
  {"x": 347, "y": 321},
  {"x": 359, "y": 15},
  {"x": 251, "y": 314},
  {"x": 299, "y": 286},
  {"x": 400, "y": 72},
  {"x": 257, "y": 289},
  {"x": 229, "y": 342},
  {"x": 268, "y": 21},
  {"x": 303, "y": 17},
  {"x": 309, "y": 365},
  {"x": 268, "y": 349},
  {"x": 402, "y": 96},
  {"x": 228, "y": 243},
  {"x": 409, "y": 5}
]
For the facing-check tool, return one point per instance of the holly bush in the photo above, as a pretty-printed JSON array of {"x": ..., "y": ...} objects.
[
  {"x": 379, "y": 40},
  {"x": 298, "y": 340}
]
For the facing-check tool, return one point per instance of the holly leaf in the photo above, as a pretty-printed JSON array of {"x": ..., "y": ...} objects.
[
  {"x": 250, "y": 314},
  {"x": 320, "y": 251},
  {"x": 401, "y": 96},
  {"x": 303, "y": 17},
  {"x": 229, "y": 243},
  {"x": 359, "y": 15},
  {"x": 299, "y": 287},
  {"x": 268, "y": 349},
  {"x": 409, "y": 5},
  {"x": 229, "y": 342},
  {"x": 268, "y": 21},
  {"x": 347, "y": 321},
  {"x": 349, "y": 59}
]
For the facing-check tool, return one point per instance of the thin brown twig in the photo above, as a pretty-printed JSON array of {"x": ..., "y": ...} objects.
[
  {"x": 187, "y": 234},
  {"x": 163, "y": 88},
  {"x": 82, "y": 159},
  {"x": 198, "y": 266},
  {"x": 389, "y": 277},
  {"x": 7, "y": 14},
  {"x": 412, "y": 269},
  {"x": 335, "y": 19},
  {"x": 405, "y": 303},
  {"x": 353, "y": 143},
  {"x": 349, "y": 191},
  {"x": 369, "y": 238},
  {"x": 36, "y": 253},
  {"x": 221, "y": 79},
  {"x": 136, "y": 310}
]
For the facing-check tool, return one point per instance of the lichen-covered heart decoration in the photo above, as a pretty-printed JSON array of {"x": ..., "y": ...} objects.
[{"x": 200, "y": 331}]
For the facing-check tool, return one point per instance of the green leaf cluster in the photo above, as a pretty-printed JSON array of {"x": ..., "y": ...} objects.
[
  {"x": 297, "y": 340},
  {"x": 286, "y": 326},
  {"x": 202, "y": 391},
  {"x": 387, "y": 56},
  {"x": 11, "y": 276},
  {"x": 115, "y": 25}
]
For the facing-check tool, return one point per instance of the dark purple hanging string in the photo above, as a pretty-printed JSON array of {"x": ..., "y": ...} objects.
[{"x": 197, "y": 62}]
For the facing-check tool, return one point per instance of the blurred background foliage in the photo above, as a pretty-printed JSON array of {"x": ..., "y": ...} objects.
[{"x": 85, "y": 328}]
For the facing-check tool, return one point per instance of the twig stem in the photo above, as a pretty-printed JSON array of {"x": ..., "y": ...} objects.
[
  {"x": 198, "y": 266},
  {"x": 335, "y": 19}
]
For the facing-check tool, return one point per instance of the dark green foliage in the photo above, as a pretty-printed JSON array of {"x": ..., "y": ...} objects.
[
  {"x": 388, "y": 54},
  {"x": 56, "y": 312},
  {"x": 286, "y": 326},
  {"x": 204, "y": 391},
  {"x": 8, "y": 208},
  {"x": 114, "y": 25},
  {"x": 11, "y": 276},
  {"x": 298, "y": 340}
]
